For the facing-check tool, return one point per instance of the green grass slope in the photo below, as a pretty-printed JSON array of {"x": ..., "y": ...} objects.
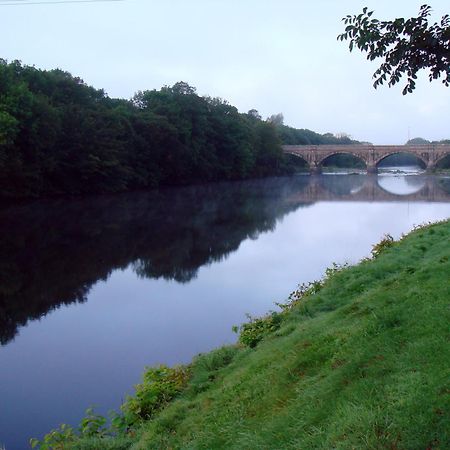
[{"x": 362, "y": 364}]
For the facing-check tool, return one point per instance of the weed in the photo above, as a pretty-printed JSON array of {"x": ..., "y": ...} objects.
[
  {"x": 159, "y": 386},
  {"x": 92, "y": 424},
  {"x": 56, "y": 439},
  {"x": 303, "y": 290},
  {"x": 254, "y": 331},
  {"x": 382, "y": 246},
  {"x": 308, "y": 289}
]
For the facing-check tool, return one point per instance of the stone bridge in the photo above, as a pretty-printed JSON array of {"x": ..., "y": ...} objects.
[{"x": 371, "y": 155}]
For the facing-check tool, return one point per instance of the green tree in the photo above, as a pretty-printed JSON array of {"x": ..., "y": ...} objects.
[
  {"x": 417, "y": 141},
  {"x": 268, "y": 147},
  {"x": 60, "y": 136},
  {"x": 407, "y": 46},
  {"x": 8, "y": 128}
]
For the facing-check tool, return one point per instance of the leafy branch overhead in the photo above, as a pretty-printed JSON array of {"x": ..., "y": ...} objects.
[{"x": 407, "y": 46}]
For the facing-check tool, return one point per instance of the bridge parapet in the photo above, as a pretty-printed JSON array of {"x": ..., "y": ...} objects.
[{"x": 371, "y": 155}]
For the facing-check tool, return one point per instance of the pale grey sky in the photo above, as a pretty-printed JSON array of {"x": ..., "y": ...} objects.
[{"x": 274, "y": 56}]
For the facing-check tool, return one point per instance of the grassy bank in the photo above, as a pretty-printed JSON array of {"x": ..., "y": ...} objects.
[{"x": 360, "y": 361}]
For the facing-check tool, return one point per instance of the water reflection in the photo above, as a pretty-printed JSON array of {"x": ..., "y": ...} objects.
[
  {"x": 52, "y": 252},
  {"x": 339, "y": 185},
  {"x": 164, "y": 296},
  {"x": 372, "y": 188},
  {"x": 444, "y": 184},
  {"x": 402, "y": 185}
]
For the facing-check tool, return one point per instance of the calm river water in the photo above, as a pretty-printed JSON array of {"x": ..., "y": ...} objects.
[{"x": 93, "y": 290}]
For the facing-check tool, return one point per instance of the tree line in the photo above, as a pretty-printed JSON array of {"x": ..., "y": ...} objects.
[{"x": 60, "y": 136}]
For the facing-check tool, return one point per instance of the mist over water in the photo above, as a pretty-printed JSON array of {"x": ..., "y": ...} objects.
[{"x": 93, "y": 290}]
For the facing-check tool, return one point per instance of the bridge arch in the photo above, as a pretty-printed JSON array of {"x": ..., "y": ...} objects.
[
  {"x": 443, "y": 158},
  {"x": 353, "y": 156},
  {"x": 422, "y": 161},
  {"x": 299, "y": 157}
]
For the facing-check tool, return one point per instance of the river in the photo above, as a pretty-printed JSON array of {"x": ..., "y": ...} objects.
[{"x": 93, "y": 290}]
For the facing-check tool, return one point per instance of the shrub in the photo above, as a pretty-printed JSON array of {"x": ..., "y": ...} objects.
[
  {"x": 56, "y": 439},
  {"x": 252, "y": 332},
  {"x": 159, "y": 386}
]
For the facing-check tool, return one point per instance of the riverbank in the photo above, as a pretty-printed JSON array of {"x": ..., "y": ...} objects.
[{"x": 358, "y": 361}]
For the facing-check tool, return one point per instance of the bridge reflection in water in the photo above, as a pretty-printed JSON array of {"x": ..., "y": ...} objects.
[{"x": 373, "y": 188}]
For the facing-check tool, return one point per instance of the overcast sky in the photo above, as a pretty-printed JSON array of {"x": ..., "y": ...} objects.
[{"x": 274, "y": 56}]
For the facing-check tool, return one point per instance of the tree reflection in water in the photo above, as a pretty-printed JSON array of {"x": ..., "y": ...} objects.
[{"x": 54, "y": 251}]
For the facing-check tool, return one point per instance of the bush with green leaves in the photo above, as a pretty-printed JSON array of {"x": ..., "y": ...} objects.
[
  {"x": 305, "y": 290},
  {"x": 159, "y": 386},
  {"x": 56, "y": 439},
  {"x": 254, "y": 331}
]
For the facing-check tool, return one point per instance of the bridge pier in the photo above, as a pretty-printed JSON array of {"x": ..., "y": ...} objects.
[
  {"x": 372, "y": 170},
  {"x": 315, "y": 170}
]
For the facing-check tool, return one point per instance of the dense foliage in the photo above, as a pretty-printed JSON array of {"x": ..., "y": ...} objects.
[
  {"x": 60, "y": 136},
  {"x": 422, "y": 141},
  {"x": 406, "y": 45}
]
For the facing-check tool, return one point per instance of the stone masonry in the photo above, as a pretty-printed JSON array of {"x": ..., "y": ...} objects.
[{"x": 315, "y": 155}]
